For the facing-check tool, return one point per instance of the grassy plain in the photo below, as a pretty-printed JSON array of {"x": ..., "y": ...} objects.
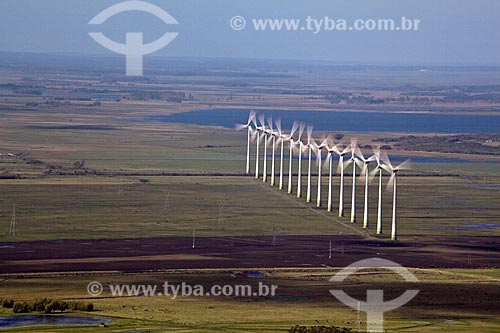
[
  {"x": 143, "y": 179},
  {"x": 444, "y": 303}
]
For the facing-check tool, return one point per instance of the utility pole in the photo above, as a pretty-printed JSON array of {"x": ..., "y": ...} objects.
[{"x": 13, "y": 225}]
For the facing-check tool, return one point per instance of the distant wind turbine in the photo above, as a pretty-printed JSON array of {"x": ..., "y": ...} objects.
[
  {"x": 309, "y": 148},
  {"x": 282, "y": 138},
  {"x": 318, "y": 150},
  {"x": 292, "y": 143},
  {"x": 329, "y": 157},
  {"x": 248, "y": 126},
  {"x": 273, "y": 136},
  {"x": 354, "y": 161},
  {"x": 265, "y": 132},
  {"x": 260, "y": 131},
  {"x": 341, "y": 170},
  {"x": 378, "y": 169},
  {"x": 365, "y": 172},
  {"x": 299, "y": 177},
  {"x": 393, "y": 183}
]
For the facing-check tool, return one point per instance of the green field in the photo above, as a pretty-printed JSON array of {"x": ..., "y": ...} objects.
[
  {"x": 444, "y": 303},
  {"x": 145, "y": 179}
]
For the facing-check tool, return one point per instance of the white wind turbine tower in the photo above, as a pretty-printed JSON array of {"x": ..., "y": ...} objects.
[
  {"x": 329, "y": 157},
  {"x": 341, "y": 170},
  {"x": 354, "y": 161},
  {"x": 299, "y": 177},
  {"x": 273, "y": 136},
  {"x": 248, "y": 126},
  {"x": 318, "y": 150},
  {"x": 309, "y": 148},
  {"x": 282, "y": 137},
  {"x": 378, "y": 169},
  {"x": 258, "y": 130},
  {"x": 292, "y": 143},
  {"x": 365, "y": 172},
  {"x": 265, "y": 132},
  {"x": 393, "y": 183}
]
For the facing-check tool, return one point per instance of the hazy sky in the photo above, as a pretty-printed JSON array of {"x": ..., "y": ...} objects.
[{"x": 451, "y": 31}]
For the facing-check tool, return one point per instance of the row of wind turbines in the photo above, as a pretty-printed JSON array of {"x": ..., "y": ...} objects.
[{"x": 272, "y": 137}]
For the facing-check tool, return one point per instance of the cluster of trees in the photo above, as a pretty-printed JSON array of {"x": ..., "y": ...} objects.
[
  {"x": 46, "y": 305},
  {"x": 349, "y": 98},
  {"x": 169, "y": 96},
  {"x": 79, "y": 164},
  {"x": 320, "y": 329},
  {"x": 416, "y": 96}
]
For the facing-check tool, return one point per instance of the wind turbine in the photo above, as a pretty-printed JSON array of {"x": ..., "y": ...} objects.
[
  {"x": 365, "y": 172},
  {"x": 273, "y": 135},
  {"x": 354, "y": 161},
  {"x": 329, "y": 157},
  {"x": 259, "y": 129},
  {"x": 378, "y": 169},
  {"x": 341, "y": 170},
  {"x": 248, "y": 126},
  {"x": 282, "y": 138},
  {"x": 393, "y": 181},
  {"x": 265, "y": 132},
  {"x": 318, "y": 159},
  {"x": 292, "y": 143},
  {"x": 299, "y": 177},
  {"x": 309, "y": 148}
]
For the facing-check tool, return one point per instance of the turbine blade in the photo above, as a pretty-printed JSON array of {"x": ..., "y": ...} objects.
[
  {"x": 359, "y": 162},
  {"x": 373, "y": 174},
  {"x": 354, "y": 144},
  {"x": 346, "y": 149},
  {"x": 278, "y": 125},
  {"x": 326, "y": 164},
  {"x": 347, "y": 163},
  {"x": 361, "y": 178},
  {"x": 364, "y": 168},
  {"x": 390, "y": 182},
  {"x": 262, "y": 121},
  {"x": 301, "y": 129},
  {"x": 254, "y": 122},
  {"x": 336, "y": 150},
  {"x": 328, "y": 140},
  {"x": 270, "y": 123},
  {"x": 313, "y": 144},
  {"x": 376, "y": 152},
  {"x": 251, "y": 117},
  {"x": 309, "y": 133},
  {"x": 404, "y": 166},
  {"x": 318, "y": 152},
  {"x": 339, "y": 169},
  {"x": 253, "y": 134},
  {"x": 385, "y": 159},
  {"x": 294, "y": 128},
  {"x": 239, "y": 127},
  {"x": 360, "y": 154}
]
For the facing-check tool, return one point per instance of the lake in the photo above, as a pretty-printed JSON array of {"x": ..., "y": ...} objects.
[
  {"x": 49, "y": 320},
  {"x": 339, "y": 121}
]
